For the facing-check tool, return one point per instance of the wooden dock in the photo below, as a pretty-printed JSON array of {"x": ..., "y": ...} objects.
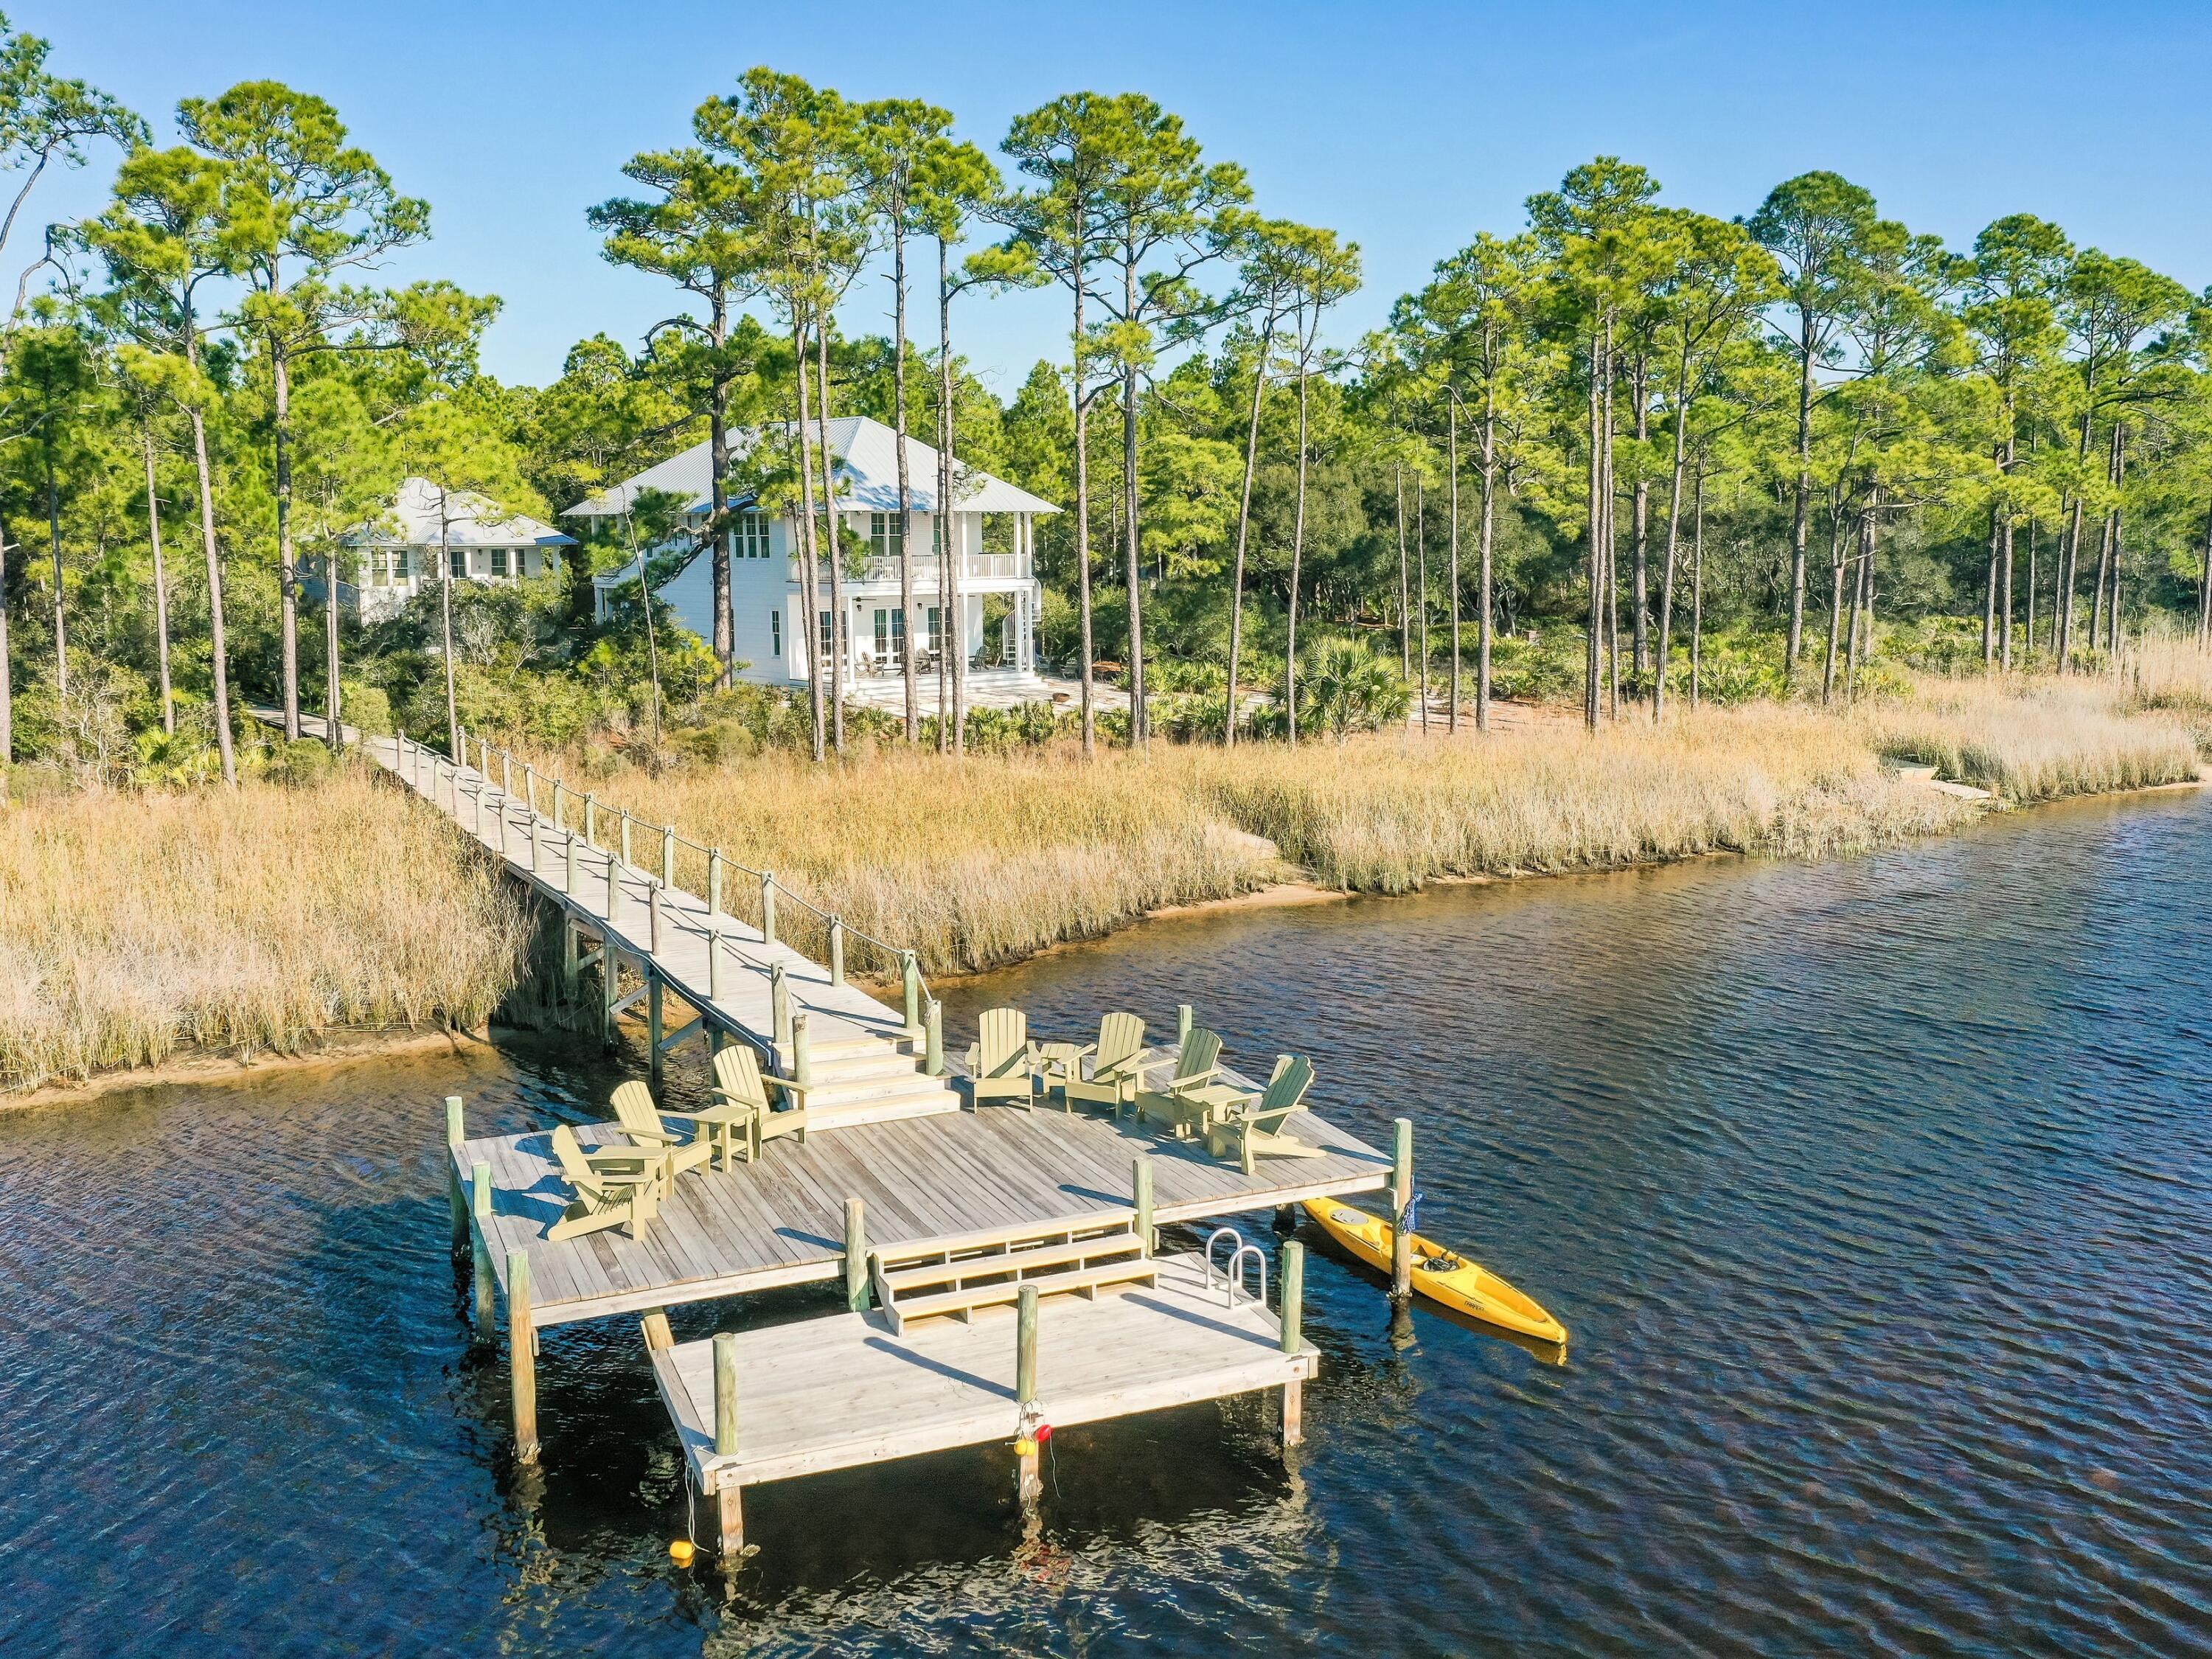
[
  {"x": 830, "y": 1393},
  {"x": 896, "y": 1162}
]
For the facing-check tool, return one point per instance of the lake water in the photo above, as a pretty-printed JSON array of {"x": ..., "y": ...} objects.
[{"x": 1876, "y": 1196}]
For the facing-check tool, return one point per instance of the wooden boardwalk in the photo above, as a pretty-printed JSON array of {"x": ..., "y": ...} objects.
[{"x": 829, "y": 1394}]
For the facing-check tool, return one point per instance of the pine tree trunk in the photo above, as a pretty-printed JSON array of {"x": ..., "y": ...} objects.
[
  {"x": 1674, "y": 534},
  {"x": 2203, "y": 592},
  {"x": 807, "y": 638},
  {"x": 840, "y": 623},
  {"x": 161, "y": 584},
  {"x": 718, "y": 472},
  {"x": 1698, "y": 590},
  {"x": 1800, "y": 514},
  {"x": 949, "y": 562},
  {"x": 1243, "y": 527},
  {"x": 1298, "y": 557},
  {"x": 1595, "y": 573},
  {"x": 906, "y": 618},
  {"x": 1405, "y": 584},
  {"x": 446, "y": 624},
  {"x": 1484, "y": 556},
  {"x": 54, "y": 530},
  {"x": 7, "y": 666},
  {"x": 333, "y": 691},
  {"x": 1640, "y": 598},
  {"x": 1989, "y": 590},
  {"x": 1421, "y": 556},
  {"x": 1612, "y": 548},
  {"x": 218, "y": 649},
  {"x": 1835, "y": 603},
  {"x": 1139, "y": 719},
  {"x": 1451, "y": 719},
  {"x": 288, "y": 585},
  {"x": 2119, "y": 512},
  {"x": 1082, "y": 494}
]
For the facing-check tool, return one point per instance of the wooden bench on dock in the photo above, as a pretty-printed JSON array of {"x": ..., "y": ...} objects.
[{"x": 956, "y": 1275}]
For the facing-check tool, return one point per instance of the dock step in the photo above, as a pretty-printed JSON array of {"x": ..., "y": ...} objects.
[
  {"x": 960, "y": 1273},
  {"x": 962, "y": 1303}
]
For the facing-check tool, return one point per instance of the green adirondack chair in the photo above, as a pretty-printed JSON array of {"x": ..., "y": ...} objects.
[
  {"x": 1115, "y": 1065},
  {"x": 1001, "y": 1064},
  {"x": 605, "y": 1197},
  {"x": 1253, "y": 1128},
  {"x": 1188, "y": 1101},
  {"x": 640, "y": 1121}
]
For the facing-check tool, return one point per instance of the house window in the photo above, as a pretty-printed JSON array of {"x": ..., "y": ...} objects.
[
  {"x": 376, "y": 576},
  {"x": 499, "y": 562},
  {"x": 776, "y": 632},
  {"x": 402, "y": 570},
  {"x": 458, "y": 560},
  {"x": 829, "y": 649},
  {"x": 890, "y": 634},
  {"x": 936, "y": 630},
  {"x": 887, "y": 537},
  {"x": 753, "y": 535}
]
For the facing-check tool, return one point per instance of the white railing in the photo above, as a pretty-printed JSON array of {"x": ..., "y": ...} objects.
[{"x": 885, "y": 568}]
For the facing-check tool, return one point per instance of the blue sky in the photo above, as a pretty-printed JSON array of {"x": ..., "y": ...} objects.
[{"x": 1405, "y": 127}]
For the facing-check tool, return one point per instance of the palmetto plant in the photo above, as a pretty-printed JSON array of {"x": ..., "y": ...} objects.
[{"x": 1355, "y": 690}]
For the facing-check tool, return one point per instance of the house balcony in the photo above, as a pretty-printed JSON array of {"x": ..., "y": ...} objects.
[{"x": 884, "y": 569}]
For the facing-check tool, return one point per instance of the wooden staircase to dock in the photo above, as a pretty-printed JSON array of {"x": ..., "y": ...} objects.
[
  {"x": 871, "y": 1079},
  {"x": 954, "y": 1277}
]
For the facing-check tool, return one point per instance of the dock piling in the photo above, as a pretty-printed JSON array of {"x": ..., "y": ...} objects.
[
  {"x": 779, "y": 1004},
  {"x": 933, "y": 1048},
  {"x": 725, "y": 1394},
  {"x": 713, "y": 963},
  {"x": 856, "y": 1257},
  {"x": 1294, "y": 1294},
  {"x": 653, "y": 915},
  {"x": 652, "y": 1017},
  {"x": 1401, "y": 1199},
  {"x": 1183, "y": 1023},
  {"x": 480, "y": 795},
  {"x": 454, "y": 1196},
  {"x": 1141, "y": 1184},
  {"x": 614, "y": 887},
  {"x": 768, "y": 908},
  {"x": 836, "y": 950},
  {"x": 591, "y": 820},
  {"x": 627, "y": 858},
  {"x": 534, "y": 824},
  {"x": 479, "y": 1252},
  {"x": 522, "y": 1356},
  {"x": 1029, "y": 1486},
  {"x": 713, "y": 884},
  {"x": 668, "y": 856},
  {"x": 802, "y": 1065},
  {"x": 568, "y": 865},
  {"x": 910, "y": 980}
]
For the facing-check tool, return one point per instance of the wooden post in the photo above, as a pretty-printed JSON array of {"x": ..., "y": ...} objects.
[
  {"x": 652, "y": 916},
  {"x": 1402, "y": 1198},
  {"x": 802, "y": 1064},
  {"x": 610, "y": 990},
  {"x": 455, "y": 1197},
  {"x": 480, "y": 1250},
  {"x": 1294, "y": 1294},
  {"x": 571, "y": 976},
  {"x": 668, "y": 856},
  {"x": 557, "y": 804},
  {"x": 910, "y": 973},
  {"x": 506, "y": 773},
  {"x": 1294, "y": 1412},
  {"x": 713, "y": 963},
  {"x": 836, "y": 951},
  {"x": 1029, "y": 1487},
  {"x": 1141, "y": 1182},
  {"x": 522, "y": 1356},
  {"x": 730, "y": 1520},
  {"x": 480, "y": 829},
  {"x": 933, "y": 1042},
  {"x": 569, "y": 864},
  {"x": 534, "y": 823},
  {"x": 714, "y": 883},
  {"x": 1182, "y": 1022},
  {"x": 779, "y": 1008},
  {"x": 652, "y": 1022},
  {"x": 530, "y": 786},
  {"x": 625, "y": 837},
  {"x": 726, "y": 1395},
  {"x": 591, "y": 820},
  {"x": 614, "y": 886},
  {"x": 856, "y": 1257},
  {"x": 767, "y": 908}
]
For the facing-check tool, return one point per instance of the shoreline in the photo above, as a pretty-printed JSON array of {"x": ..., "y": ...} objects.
[{"x": 351, "y": 1046}]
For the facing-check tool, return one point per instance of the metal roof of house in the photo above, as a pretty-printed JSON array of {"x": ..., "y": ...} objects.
[
  {"x": 867, "y": 453},
  {"x": 468, "y": 519}
]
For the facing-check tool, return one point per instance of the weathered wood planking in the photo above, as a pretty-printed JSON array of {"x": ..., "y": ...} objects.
[
  {"x": 832, "y": 1393},
  {"x": 780, "y": 1221}
]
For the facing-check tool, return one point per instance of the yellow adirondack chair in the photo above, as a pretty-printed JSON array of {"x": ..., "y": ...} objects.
[
  {"x": 1252, "y": 1128},
  {"x": 1192, "y": 1096},
  {"x": 1114, "y": 1065},
  {"x": 640, "y": 1121},
  {"x": 1001, "y": 1065},
  {"x": 605, "y": 1197},
  {"x": 740, "y": 1118}
]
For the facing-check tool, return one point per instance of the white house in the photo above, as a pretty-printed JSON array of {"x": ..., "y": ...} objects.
[
  {"x": 397, "y": 555},
  {"x": 992, "y": 536}
]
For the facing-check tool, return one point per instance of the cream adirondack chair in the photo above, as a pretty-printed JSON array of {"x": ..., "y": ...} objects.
[
  {"x": 1001, "y": 1064},
  {"x": 1114, "y": 1065},
  {"x": 1252, "y": 1128},
  {"x": 606, "y": 1197},
  {"x": 740, "y": 1119},
  {"x": 640, "y": 1121},
  {"x": 1192, "y": 1096}
]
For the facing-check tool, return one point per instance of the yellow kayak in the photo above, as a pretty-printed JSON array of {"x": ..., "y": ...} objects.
[{"x": 1438, "y": 1273}]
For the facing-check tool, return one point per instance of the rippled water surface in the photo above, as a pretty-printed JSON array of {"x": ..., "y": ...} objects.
[{"x": 1877, "y": 1196}]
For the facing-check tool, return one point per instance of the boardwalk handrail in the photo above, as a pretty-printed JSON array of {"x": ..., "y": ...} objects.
[{"x": 921, "y": 1011}]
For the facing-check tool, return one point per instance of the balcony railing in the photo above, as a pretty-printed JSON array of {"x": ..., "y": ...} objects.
[{"x": 883, "y": 568}]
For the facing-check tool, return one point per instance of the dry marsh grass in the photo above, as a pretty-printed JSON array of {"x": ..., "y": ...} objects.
[
  {"x": 136, "y": 926},
  {"x": 2038, "y": 739}
]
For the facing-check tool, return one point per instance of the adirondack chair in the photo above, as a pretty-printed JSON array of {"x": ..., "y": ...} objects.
[
  {"x": 605, "y": 1197},
  {"x": 1192, "y": 1096},
  {"x": 740, "y": 1118},
  {"x": 1001, "y": 1064},
  {"x": 640, "y": 1121},
  {"x": 1114, "y": 1066},
  {"x": 1252, "y": 1126}
]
